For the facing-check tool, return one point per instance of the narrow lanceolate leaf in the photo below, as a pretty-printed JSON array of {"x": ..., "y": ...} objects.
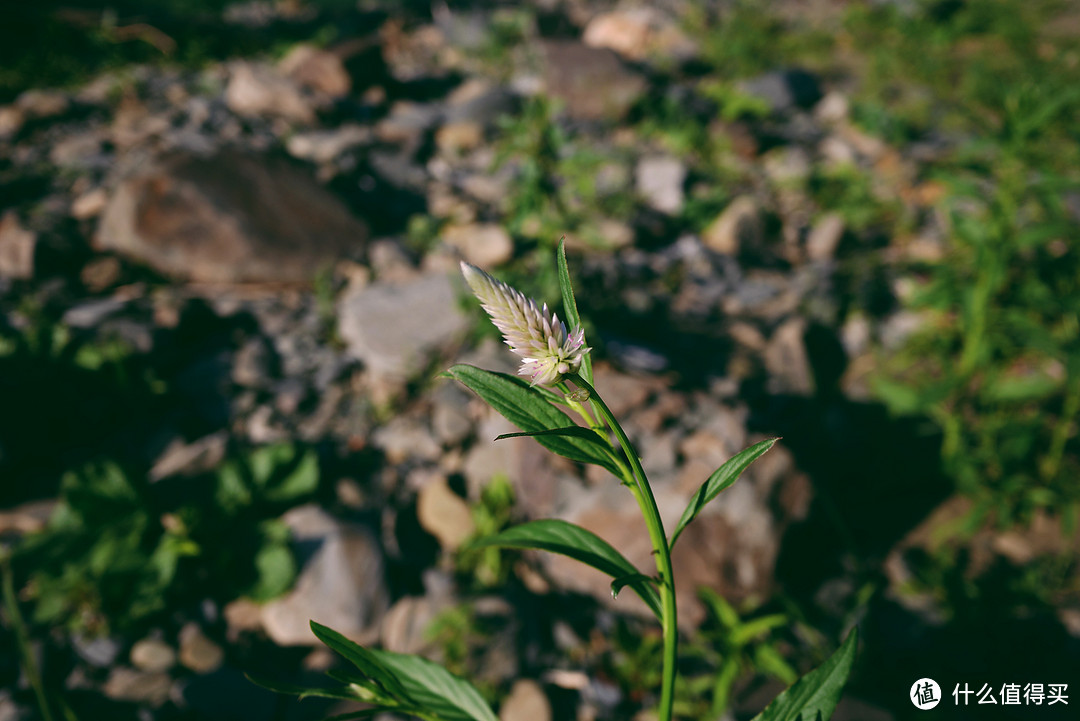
[
  {"x": 815, "y": 695},
  {"x": 577, "y": 543},
  {"x": 530, "y": 411},
  {"x": 366, "y": 661},
  {"x": 302, "y": 691},
  {"x": 572, "y": 431},
  {"x": 721, "y": 478},
  {"x": 437, "y": 691},
  {"x": 570, "y": 306}
]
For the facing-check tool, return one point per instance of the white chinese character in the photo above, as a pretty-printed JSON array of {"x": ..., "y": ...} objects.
[
  {"x": 956, "y": 693},
  {"x": 1033, "y": 694},
  {"x": 1010, "y": 694},
  {"x": 986, "y": 694},
  {"x": 1057, "y": 694}
]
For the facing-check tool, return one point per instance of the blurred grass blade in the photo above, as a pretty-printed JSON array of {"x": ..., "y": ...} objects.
[
  {"x": 530, "y": 411},
  {"x": 815, "y": 695},
  {"x": 721, "y": 478},
  {"x": 574, "y": 541}
]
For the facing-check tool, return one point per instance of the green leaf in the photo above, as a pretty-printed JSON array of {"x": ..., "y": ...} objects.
[
  {"x": 816, "y": 694},
  {"x": 436, "y": 690},
  {"x": 573, "y": 319},
  {"x": 573, "y": 431},
  {"x": 527, "y": 409},
  {"x": 300, "y": 691},
  {"x": 623, "y": 581},
  {"x": 577, "y": 543},
  {"x": 367, "y": 662},
  {"x": 721, "y": 478}
]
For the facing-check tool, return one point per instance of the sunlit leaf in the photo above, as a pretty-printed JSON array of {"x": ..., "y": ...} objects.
[
  {"x": 530, "y": 411},
  {"x": 816, "y": 694},
  {"x": 578, "y": 543},
  {"x": 721, "y": 478}
]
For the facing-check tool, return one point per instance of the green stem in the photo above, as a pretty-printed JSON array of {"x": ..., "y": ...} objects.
[
  {"x": 644, "y": 495},
  {"x": 23, "y": 640}
]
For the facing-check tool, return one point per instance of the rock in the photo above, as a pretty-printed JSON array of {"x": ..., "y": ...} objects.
[
  {"x": 126, "y": 684},
  {"x": 323, "y": 146},
  {"x": 393, "y": 327},
  {"x": 833, "y": 108},
  {"x": 738, "y": 229},
  {"x": 9, "y": 710},
  {"x": 404, "y": 438},
  {"x": 255, "y": 90},
  {"x": 444, "y": 514},
  {"x": 638, "y": 34},
  {"x": 317, "y": 69},
  {"x": 11, "y": 121},
  {"x": 526, "y": 464},
  {"x": 180, "y": 458},
  {"x": 824, "y": 238},
  {"x": 407, "y": 122},
  {"x": 787, "y": 361},
  {"x": 592, "y": 82},
  {"x": 340, "y": 584},
  {"x": 79, "y": 152},
  {"x": 526, "y": 702},
  {"x": 152, "y": 655},
  {"x": 659, "y": 180},
  {"x": 99, "y": 651},
  {"x": 784, "y": 90},
  {"x": 197, "y": 652},
  {"x": 895, "y": 330},
  {"x": 229, "y": 218},
  {"x": 101, "y": 273},
  {"x": 477, "y": 101},
  {"x": 16, "y": 248},
  {"x": 252, "y": 362},
  {"x": 450, "y": 418},
  {"x": 93, "y": 312},
  {"x": 485, "y": 245},
  {"x": 404, "y": 629},
  {"x": 459, "y": 136},
  {"x": 789, "y": 165},
  {"x": 42, "y": 104},
  {"x": 89, "y": 204}
]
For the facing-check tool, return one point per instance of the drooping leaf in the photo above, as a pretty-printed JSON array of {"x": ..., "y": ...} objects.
[
  {"x": 721, "y": 478},
  {"x": 530, "y": 411},
  {"x": 436, "y": 690},
  {"x": 623, "y": 581},
  {"x": 574, "y": 541},
  {"x": 815, "y": 695},
  {"x": 573, "y": 319}
]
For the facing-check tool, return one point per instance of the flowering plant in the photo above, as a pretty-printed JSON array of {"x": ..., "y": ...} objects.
[{"x": 557, "y": 366}]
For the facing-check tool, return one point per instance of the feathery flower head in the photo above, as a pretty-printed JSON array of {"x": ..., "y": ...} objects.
[{"x": 535, "y": 334}]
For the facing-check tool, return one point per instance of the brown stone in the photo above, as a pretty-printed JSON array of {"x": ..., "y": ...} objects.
[
  {"x": 317, "y": 69},
  {"x": 592, "y": 82},
  {"x": 16, "y": 248},
  {"x": 229, "y": 218}
]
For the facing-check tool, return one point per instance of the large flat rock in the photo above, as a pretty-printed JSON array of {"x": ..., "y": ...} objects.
[{"x": 228, "y": 218}]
